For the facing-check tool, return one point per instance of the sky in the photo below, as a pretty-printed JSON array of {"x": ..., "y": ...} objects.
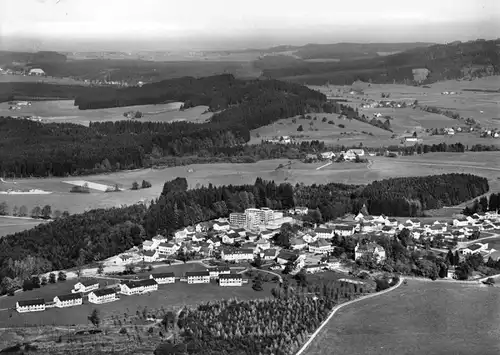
[{"x": 215, "y": 22}]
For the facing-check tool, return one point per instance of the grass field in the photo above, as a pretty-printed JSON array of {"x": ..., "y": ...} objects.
[
  {"x": 13, "y": 225},
  {"x": 419, "y": 318},
  {"x": 65, "y": 111},
  {"x": 170, "y": 296},
  {"x": 352, "y": 134},
  {"x": 36, "y": 79}
]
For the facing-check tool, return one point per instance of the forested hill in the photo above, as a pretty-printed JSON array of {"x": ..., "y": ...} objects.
[
  {"x": 35, "y": 149},
  {"x": 99, "y": 234},
  {"x": 456, "y": 60}
]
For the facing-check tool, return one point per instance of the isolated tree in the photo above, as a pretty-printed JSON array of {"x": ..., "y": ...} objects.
[
  {"x": 15, "y": 211},
  {"x": 300, "y": 128},
  {"x": 44, "y": 280},
  {"x": 61, "y": 276},
  {"x": 36, "y": 212},
  {"x": 257, "y": 284},
  {"x": 4, "y": 209},
  {"x": 146, "y": 184},
  {"x": 135, "y": 185},
  {"x": 35, "y": 280},
  {"x": 100, "y": 269},
  {"x": 46, "y": 211},
  {"x": 95, "y": 318},
  {"x": 52, "y": 278},
  {"x": 415, "y": 134}
]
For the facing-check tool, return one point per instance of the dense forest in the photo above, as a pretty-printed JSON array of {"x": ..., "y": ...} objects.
[
  {"x": 98, "y": 234},
  {"x": 444, "y": 61},
  {"x": 483, "y": 204}
]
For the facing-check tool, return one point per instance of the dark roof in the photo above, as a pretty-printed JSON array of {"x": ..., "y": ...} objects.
[
  {"x": 103, "y": 292},
  {"x": 70, "y": 296},
  {"x": 35, "y": 302},
  {"x": 140, "y": 283},
  {"x": 149, "y": 253},
  {"x": 230, "y": 276},
  {"x": 197, "y": 273},
  {"x": 324, "y": 230},
  {"x": 163, "y": 275},
  {"x": 270, "y": 252},
  {"x": 474, "y": 247},
  {"x": 90, "y": 282}
]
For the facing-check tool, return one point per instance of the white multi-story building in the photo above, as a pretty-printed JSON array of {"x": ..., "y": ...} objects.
[
  {"x": 137, "y": 287},
  {"x": 163, "y": 278},
  {"x": 324, "y": 233},
  {"x": 30, "y": 305},
  {"x": 85, "y": 286},
  {"x": 237, "y": 255},
  {"x": 150, "y": 256},
  {"x": 104, "y": 295},
  {"x": 72, "y": 299},
  {"x": 150, "y": 244},
  {"x": 231, "y": 280},
  {"x": 258, "y": 217},
  {"x": 168, "y": 248},
  {"x": 345, "y": 231},
  {"x": 320, "y": 246},
  {"x": 238, "y": 219},
  {"x": 198, "y": 277}
]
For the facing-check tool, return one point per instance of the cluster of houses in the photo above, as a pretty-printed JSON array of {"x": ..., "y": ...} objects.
[
  {"x": 280, "y": 140},
  {"x": 385, "y": 104},
  {"x": 495, "y": 133},
  {"x": 96, "y": 295},
  {"x": 349, "y": 155}
]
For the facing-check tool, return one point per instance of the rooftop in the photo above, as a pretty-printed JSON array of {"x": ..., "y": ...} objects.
[
  {"x": 104, "y": 292},
  {"x": 35, "y": 302},
  {"x": 70, "y": 296}
]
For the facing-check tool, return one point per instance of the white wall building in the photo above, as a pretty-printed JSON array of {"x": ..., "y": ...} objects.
[
  {"x": 374, "y": 249},
  {"x": 231, "y": 280},
  {"x": 104, "y": 295},
  {"x": 85, "y": 286},
  {"x": 198, "y": 277},
  {"x": 237, "y": 255},
  {"x": 138, "y": 287},
  {"x": 163, "y": 278},
  {"x": 72, "y": 299},
  {"x": 35, "y": 305}
]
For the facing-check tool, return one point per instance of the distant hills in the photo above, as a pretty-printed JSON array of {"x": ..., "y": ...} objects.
[{"x": 440, "y": 62}]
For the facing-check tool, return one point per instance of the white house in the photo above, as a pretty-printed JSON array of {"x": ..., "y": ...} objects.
[
  {"x": 345, "y": 231},
  {"x": 198, "y": 277},
  {"x": 321, "y": 246},
  {"x": 263, "y": 244},
  {"x": 414, "y": 222},
  {"x": 168, "y": 248},
  {"x": 324, "y": 233},
  {"x": 374, "y": 249},
  {"x": 474, "y": 248},
  {"x": 391, "y": 222},
  {"x": 312, "y": 269},
  {"x": 298, "y": 243},
  {"x": 221, "y": 226},
  {"x": 287, "y": 256},
  {"x": 150, "y": 256},
  {"x": 237, "y": 255},
  {"x": 388, "y": 230},
  {"x": 103, "y": 295},
  {"x": 301, "y": 210},
  {"x": 30, "y": 305},
  {"x": 215, "y": 272},
  {"x": 460, "y": 222},
  {"x": 137, "y": 287},
  {"x": 310, "y": 237},
  {"x": 267, "y": 234},
  {"x": 269, "y": 254},
  {"x": 163, "y": 278},
  {"x": 36, "y": 71},
  {"x": 150, "y": 244},
  {"x": 230, "y": 280},
  {"x": 85, "y": 286},
  {"x": 352, "y": 154},
  {"x": 230, "y": 238},
  {"x": 328, "y": 155},
  {"x": 72, "y": 299}
]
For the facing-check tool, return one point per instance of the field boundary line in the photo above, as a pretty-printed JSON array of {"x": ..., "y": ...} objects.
[
  {"x": 340, "y": 306},
  {"x": 324, "y": 166}
]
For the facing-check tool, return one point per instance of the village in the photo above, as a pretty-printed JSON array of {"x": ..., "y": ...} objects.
[{"x": 248, "y": 238}]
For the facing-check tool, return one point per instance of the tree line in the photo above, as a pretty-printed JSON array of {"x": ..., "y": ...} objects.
[{"x": 483, "y": 204}]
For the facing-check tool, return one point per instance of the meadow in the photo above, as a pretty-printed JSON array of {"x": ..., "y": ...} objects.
[
  {"x": 65, "y": 111},
  {"x": 10, "y": 225},
  {"x": 417, "y": 318},
  {"x": 168, "y": 297}
]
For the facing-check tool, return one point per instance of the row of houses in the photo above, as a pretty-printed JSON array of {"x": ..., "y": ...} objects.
[{"x": 96, "y": 295}]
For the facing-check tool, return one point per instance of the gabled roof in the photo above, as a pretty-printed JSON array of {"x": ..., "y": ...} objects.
[
  {"x": 149, "y": 253},
  {"x": 103, "y": 292},
  {"x": 140, "y": 283},
  {"x": 90, "y": 282},
  {"x": 324, "y": 230},
  {"x": 320, "y": 243},
  {"x": 35, "y": 302},
  {"x": 230, "y": 276},
  {"x": 163, "y": 275},
  {"x": 270, "y": 252},
  {"x": 197, "y": 273},
  {"x": 70, "y": 297}
]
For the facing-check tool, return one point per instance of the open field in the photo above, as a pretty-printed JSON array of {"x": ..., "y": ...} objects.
[
  {"x": 352, "y": 134},
  {"x": 169, "y": 297},
  {"x": 65, "y": 111},
  {"x": 36, "y": 79},
  {"x": 419, "y": 318},
  {"x": 485, "y": 164},
  {"x": 9, "y": 225}
]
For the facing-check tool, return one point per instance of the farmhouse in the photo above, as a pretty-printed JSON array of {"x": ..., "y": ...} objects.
[
  {"x": 72, "y": 299},
  {"x": 237, "y": 255},
  {"x": 328, "y": 155},
  {"x": 30, "y": 305},
  {"x": 36, "y": 71},
  {"x": 103, "y": 295},
  {"x": 352, "y": 154},
  {"x": 231, "y": 280},
  {"x": 150, "y": 256},
  {"x": 198, "y": 277},
  {"x": 217, "y": 271},
  {"x": 136, "y": 287},
  {"x": 85, "y": 286},
  {"x": 374, "y": 249},
  {"x": 163, "y": 278},
  {"x": 320, "y": 246}
]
